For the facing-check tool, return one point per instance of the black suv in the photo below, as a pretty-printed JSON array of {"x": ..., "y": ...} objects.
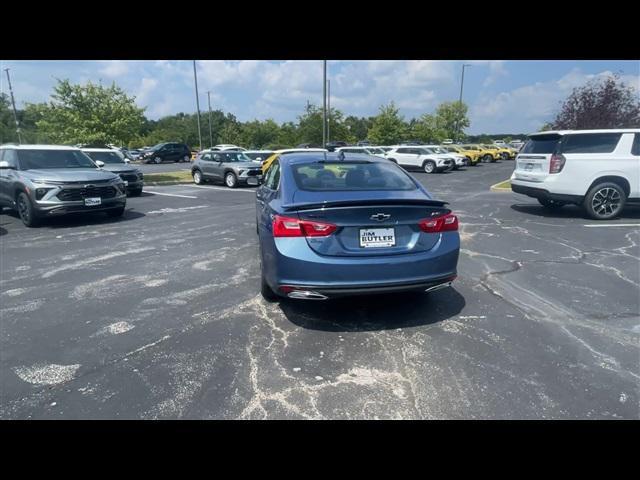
[
  {"x": 167, "y": 152},
  {"x": 331, "y": 146}
]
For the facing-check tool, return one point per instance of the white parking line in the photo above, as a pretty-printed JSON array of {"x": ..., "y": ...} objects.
[
  {"x": 220, "y": 188},
  {"x": 169, "y": 194},
  {"x": 612, "y": 225}
]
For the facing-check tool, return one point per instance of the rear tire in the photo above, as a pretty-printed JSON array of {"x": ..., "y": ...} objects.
[
  {"x": 157, "y": 160},
  {"x": 26, "y": 211},
  {"x": 604, "y": 201},
  {"x": 487, "y": 158},
  {"x": 186, "y": 158},
  {"x": 265, "y": 290},
  {"x": 116, "y": 212},
  {"x": 550, "y": 204}
]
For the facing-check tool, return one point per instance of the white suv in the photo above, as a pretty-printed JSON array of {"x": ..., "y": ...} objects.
[
  {"x": 460, "y": 160},
  {"x": 598, "y": 169},
  {"x": 420, "y": 157},
  {"x": 375, "y": 151}
]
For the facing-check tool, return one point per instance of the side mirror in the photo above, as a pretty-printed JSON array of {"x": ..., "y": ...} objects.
[
  {"x": 99, "y": 163},
  {"x": 5, "y": 166}
]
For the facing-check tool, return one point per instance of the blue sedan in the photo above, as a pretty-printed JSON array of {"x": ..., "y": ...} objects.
[{"x": 331, "y": 226}]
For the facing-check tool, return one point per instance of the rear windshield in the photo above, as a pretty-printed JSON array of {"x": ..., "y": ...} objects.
[
  {"x": 541, "y": 144},
  {"x": 36, "y": 159},
  {"x": 350, "y": 176}
]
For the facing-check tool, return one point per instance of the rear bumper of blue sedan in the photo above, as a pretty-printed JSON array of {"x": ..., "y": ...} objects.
[{"x": 293, "y": 269}]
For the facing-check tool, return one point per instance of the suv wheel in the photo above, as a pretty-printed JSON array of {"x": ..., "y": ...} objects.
[
  {"x": 550, "y": 204},
  {"x": 230, "y": 180},
  {"x": 487, "y": 158},
  {"x": 186, "y": 158},
  {"x": 157, "y": 160},
  {"x": 26, "y": 211},
  {"x": 605, "y": 201},
  {"x": 429, "y": 166},
  {"x": 197, "y": 177},
  {"x": 137, "y": 192}
]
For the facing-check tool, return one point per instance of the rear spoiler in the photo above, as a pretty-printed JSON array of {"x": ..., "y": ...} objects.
[{"x": 347, "y": 203}]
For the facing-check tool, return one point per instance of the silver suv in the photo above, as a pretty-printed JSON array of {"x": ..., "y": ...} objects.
[
  {"x": 49, "y": 180},
  {"x": 231, "y": 167}
]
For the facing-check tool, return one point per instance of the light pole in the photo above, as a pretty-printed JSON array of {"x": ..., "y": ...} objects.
[
  {"x": 324, "y": 104},
  {"x": 460, "y": 99},
  {"x": 195, "y": 77},
  {"x": 210, "y": 131},
  {"x": 13, "y": 103},
  {"x": 329, "y": 109}
]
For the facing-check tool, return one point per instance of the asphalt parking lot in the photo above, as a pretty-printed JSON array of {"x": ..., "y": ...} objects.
[
  {"x": 161, "y": 168},
  {"x": 158, "y": 315}
]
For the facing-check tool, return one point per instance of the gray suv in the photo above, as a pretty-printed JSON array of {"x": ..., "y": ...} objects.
[
  {"x": 114, "y": 161},
  {"x": 48, "y": 180},
  {"x": 232, "y": 168}
]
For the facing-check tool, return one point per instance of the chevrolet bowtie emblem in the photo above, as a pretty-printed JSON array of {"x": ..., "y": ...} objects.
[{"x": 380, "y": 217}]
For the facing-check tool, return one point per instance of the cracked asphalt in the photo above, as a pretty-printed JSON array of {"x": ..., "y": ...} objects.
[{"x": 158, "y": 316}]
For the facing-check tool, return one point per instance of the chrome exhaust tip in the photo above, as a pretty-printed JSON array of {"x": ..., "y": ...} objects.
[
  {"x": 306, "y": 295},
  {"x": 438, "y": 287}
]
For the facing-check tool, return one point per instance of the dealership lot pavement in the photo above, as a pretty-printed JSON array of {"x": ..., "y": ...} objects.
[
  {"x": 158, "y": 315},
  {"x": 163, "y": 167}
]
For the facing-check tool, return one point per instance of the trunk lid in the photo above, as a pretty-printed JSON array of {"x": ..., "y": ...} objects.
[{"x": 370, "y": 227}]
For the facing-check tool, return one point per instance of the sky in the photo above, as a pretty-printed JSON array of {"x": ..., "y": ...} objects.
[{"x": 503, "y": 96}]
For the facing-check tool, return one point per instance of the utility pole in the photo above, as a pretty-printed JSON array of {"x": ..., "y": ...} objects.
[
  {"x": 329, "y": 109},
  {"x": 195, "y": 77},
  {"x": 324, "y": 104},
  {"x": 13, "y": 103},
  {"x": 210, "y": 131},
  {"x": 460, "y": 99}
]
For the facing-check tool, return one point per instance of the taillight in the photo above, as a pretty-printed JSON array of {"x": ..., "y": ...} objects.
[
  {"x": 556, "y": 163},
  {"x": 444, "y": 223},
  {"x": 294, "y": 227}
]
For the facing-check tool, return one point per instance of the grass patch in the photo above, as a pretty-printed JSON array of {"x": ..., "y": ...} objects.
[
  {"x": 506, "y": 185},
  {"x": 166, "y": 177}
]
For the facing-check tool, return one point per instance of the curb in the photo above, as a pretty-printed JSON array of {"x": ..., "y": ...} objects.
[{"x": 495, "y": 188}]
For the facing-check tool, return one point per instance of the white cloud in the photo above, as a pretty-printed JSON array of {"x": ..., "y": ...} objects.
[
  {"x": 530, "y": 106},
  {"x": 115, "y": 68}
]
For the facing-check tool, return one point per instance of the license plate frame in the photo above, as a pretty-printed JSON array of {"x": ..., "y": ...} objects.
[
  {"x": 375, "y": 237},
  {"x": 92, "y": 201}
]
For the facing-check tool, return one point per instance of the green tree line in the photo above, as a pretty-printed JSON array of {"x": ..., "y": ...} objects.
[{"x": 92, "y": 113}]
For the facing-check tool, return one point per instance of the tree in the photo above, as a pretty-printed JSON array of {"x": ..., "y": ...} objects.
[
  {"x": 90, "y": 113},
  {"x": 601, "y": 103},
  {"x": 451, "y": 119},
  {"x": 257, "y": 134},
  {"x": 388, "y": 127},
  {"x": 426, "y": 129},
  {"x": 358, "y": 127},
  {"x": 7, "y": 123}
]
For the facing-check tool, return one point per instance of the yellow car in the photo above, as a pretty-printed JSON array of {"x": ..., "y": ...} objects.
[
  {"x": 267, "y": 163},
  {"x": 486, "y": 154},
  {"x": 473, "y": 156},
  {"x": 503, "y": 151}
]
